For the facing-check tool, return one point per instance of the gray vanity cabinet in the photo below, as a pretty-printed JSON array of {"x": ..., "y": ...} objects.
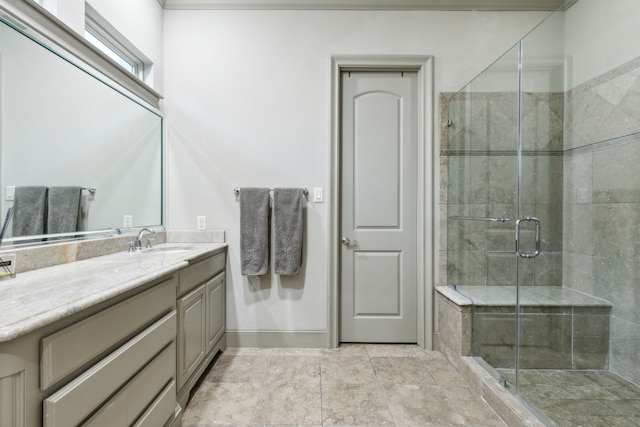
[
  {"x": 127, "y": 360},
  {"x": 201, "y": 320},
  {"x": 112, "y": 362},
  {"x": 201, "y": 325}
]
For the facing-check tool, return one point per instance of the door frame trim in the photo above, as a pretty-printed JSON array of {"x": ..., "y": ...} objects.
[{"x": 423, "y": 65}]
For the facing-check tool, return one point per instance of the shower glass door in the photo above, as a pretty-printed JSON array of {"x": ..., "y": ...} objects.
[
  {"x": 481, "y": 160},
  {"x": 544, "y": 323}
]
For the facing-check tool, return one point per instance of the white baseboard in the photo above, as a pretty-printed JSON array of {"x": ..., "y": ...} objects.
[{"x": 278, "y": 339}]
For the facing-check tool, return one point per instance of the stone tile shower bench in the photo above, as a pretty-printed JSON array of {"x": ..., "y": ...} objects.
[
  {"x": 558, "y": 324},
  {"x": 560, "y": 328}
]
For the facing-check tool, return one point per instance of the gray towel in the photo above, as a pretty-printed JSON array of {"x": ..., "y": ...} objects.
[
  {"x": 288, "y": 204},
  {"x": 63, "y": 209},
  {"x": 254, "y": 231},
  {"x": 29, "y": 211}
]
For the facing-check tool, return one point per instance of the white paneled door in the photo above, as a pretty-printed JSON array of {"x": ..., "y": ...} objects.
[{"x": 378, "y": 207}]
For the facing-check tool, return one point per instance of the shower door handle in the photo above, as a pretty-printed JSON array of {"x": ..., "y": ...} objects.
[{"x": 536, "y": 252}]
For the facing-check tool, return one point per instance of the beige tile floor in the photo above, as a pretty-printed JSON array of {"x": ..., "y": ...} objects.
[{"x": 356, "y": 384}]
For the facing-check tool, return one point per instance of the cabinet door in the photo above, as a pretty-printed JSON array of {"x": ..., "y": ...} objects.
[
  {"x": 13, "y": 386},
  {"x": 216, "y": 315},
  {"x": 191, "y": 333}
]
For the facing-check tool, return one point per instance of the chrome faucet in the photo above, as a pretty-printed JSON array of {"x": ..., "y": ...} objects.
[{"x": 139, "y": 238}]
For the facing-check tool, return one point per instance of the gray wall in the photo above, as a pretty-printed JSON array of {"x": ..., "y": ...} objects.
[
  {"x": 602, "y": 203},
  {"x": 479, "y": 179}
]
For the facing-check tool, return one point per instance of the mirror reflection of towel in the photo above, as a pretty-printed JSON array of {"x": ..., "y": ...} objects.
[
  {"x": 29, "y": 210},
  {"x": 64, "y": 209}
]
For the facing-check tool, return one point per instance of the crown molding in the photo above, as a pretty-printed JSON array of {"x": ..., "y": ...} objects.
[{"x": 486, "y": 5}]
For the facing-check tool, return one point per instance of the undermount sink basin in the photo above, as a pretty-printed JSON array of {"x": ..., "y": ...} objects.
[{"x": 168, "y": 250}]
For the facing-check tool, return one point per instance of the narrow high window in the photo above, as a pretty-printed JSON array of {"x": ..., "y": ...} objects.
[{"x": 113, "y": 44}]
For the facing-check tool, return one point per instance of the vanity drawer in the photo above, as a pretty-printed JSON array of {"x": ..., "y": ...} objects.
[
  {"x": 69, "y": 349},
  {"x": 200, "y": 272},
  {"x": 75, "y": 401},
  {"x": 161, "y": 409},
  {"x": 139, "y": 394}
]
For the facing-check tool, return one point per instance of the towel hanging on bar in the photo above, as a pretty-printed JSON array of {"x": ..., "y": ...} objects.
[
  {"x": 254, "y": 231},
  {"x": 288, "y": 230}
]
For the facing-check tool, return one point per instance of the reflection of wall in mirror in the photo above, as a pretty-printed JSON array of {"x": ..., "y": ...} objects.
[{"x": 64, "y": 127}]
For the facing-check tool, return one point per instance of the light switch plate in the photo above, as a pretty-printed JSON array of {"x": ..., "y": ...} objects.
[
  {"x": 10, "y": 194},
  {"x": 318, "y": 195}
]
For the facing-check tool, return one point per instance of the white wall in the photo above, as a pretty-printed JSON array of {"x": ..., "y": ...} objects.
[
  {"x": 600, "y": 35},
  {"x": 247, "y": 98},
  {"x": 71, "y": 12}
]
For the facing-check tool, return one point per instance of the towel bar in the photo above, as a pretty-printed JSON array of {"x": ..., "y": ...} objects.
[
  {"x": 90, "y": 189},
  {"x": 236, "y": 191}
]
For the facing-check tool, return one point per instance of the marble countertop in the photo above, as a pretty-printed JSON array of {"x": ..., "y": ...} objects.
[{"x": 40, "y": 297}]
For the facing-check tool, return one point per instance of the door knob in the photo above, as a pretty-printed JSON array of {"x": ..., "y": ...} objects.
[{"x": 348, "y": 242}]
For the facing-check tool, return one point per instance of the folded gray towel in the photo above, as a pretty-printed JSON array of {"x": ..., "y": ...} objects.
[
  {"x": 288, "y": 205},
  {"x": 254, "y": 231},
  {"x": 29, "y": 211},
  {"x": 63, "y": 209}
]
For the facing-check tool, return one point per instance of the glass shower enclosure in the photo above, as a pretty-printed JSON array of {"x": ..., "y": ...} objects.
[{"x": 543, "y": 214}]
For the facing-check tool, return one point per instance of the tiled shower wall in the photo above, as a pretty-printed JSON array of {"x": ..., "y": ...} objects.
[
  {"x": 583, "y": 182},
  {"x": 479, "y": 179},
  {"x": 602, "y": 203}
]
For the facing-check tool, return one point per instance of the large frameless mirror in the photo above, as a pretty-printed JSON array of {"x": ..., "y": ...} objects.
[{"x": 65, "y": 128}]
